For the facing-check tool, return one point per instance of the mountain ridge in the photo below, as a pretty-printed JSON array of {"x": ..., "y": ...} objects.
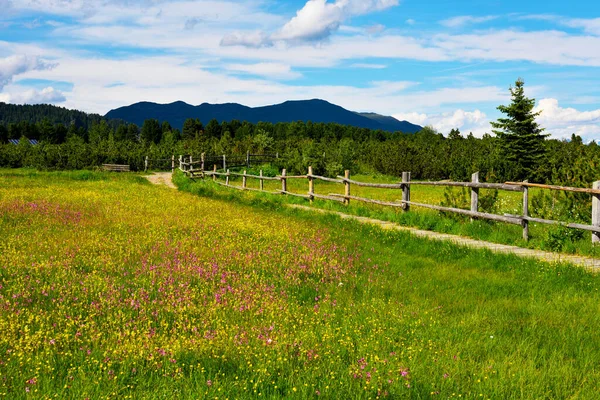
[{"x": 315, "y": 110}]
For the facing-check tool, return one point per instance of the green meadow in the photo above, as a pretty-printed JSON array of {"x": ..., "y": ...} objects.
[
  {"x": 113, "y": 288},
  {"x": 541, "y": 236}
]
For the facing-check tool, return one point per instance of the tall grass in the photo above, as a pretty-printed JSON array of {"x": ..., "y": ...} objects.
[
  {"x": 117, "y": 289},
  {"x": 543, "y": 237}
]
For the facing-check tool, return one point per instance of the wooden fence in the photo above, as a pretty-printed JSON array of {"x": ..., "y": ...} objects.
[
  {"x": 196, "y": 166},
  {"x": 405, "y": 204},
  {"x": 159, "y": 163}
]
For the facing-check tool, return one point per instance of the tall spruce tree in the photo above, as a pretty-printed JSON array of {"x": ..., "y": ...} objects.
[{"x": 520, "y": 135}]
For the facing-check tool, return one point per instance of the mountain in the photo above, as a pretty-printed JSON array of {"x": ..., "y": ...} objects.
[
  {"x": 13, "y": 114},
  {"x": 290, "y": 111}
]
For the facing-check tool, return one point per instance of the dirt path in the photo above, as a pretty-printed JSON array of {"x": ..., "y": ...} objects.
[
  {"x": 591, "y": 264},
  {"x": 161, "y": 178}
]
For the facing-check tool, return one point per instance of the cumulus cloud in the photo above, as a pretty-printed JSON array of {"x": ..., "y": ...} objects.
[
  {"x": 457, "y": 22},
  {"x": 319, "y": 18},
  {"x": 474, "y": 121},
  {"x": 19, "y": 64},
  {"x": 561, "y": 122},
  {"x": 47, "y": 95},
  {"x": 316, "y": 21}
]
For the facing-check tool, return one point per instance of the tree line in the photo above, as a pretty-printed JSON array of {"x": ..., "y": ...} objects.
[{"x": 518, "y": 149}]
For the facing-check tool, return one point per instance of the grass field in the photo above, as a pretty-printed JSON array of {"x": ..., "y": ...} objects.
[
  {"x": 113, "y": 288},
  {"x": 545, "y": 237}
]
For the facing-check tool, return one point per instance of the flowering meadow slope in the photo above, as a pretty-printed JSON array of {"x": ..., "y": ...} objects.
[{"x": 112, "y": 288}]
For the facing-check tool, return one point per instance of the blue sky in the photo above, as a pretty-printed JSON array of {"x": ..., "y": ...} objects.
[{"x": 440, "y": 63}]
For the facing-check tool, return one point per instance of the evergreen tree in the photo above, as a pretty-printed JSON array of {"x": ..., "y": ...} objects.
[
  {"x": 99, "y": 132},
  {"x": 151, "y": 131},
  {"x": 121, "y": 132},
  {"x": 454, "y": 134},
  {"x": 3, "y": 134},
  {"x": 520, "y": 135},
  {"x": 133, "y": 133},
  {"x": 166, "y": 127},
  {"x": 213, "y": 129},
  {"x": 192, "y": 128}
]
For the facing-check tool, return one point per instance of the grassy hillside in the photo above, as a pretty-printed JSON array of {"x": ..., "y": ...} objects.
[{"x": 112, "y": 288}]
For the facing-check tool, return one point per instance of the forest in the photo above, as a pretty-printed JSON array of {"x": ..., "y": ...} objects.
[{"x": 75, "y": 140}]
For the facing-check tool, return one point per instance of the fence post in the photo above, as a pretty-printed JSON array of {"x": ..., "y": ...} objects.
[
  {"x": 180, "y": 162},
  {"x": 406, "y": 191},
  {"x": 227, "y": 178},
  {"x": 244, "y": 180},
  {"x": 346, "y": 187},
  {"x": 283, "y": 181},
  {"x": 525, "y": 212},
  {"x": 311, "y": 184},
  {"x": 247, "y": 158},
  {"x": 261, "y": 181},
  {"x": 173, "y": 163},
  {"x": 224, "y": 163},
  {"x": 202, "y": 159},
  {"x": 474, "y": 194},
  {"x": 146, "y": 164},
  {"x": 215, "y": 172},
  {"x": 596, "y": 213}
]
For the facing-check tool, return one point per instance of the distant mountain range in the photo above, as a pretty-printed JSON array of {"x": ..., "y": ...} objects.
[{"x": 290, "y": 111}]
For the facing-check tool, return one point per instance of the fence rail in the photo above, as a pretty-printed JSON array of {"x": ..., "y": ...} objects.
[
  {"x": 406, "y": 203},
  {"x": 159, "y": 163},
  {"x": 187, "y": 163}
]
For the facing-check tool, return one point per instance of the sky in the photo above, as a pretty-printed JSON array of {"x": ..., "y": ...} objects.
[{"x": 447, "y": 64}]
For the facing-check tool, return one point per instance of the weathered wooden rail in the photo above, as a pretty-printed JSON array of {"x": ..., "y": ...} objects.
[
  {"x": 405, "y": 204},
  {"x": 190, "y": 166},
  {"x": 159, "y": 163}
]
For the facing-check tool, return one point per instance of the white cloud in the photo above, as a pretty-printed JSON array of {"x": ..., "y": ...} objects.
[
  {"x": 457, "y": 22},
  {"x": 247, "y": 39},
  {"x": 474, "y": 121},
  {"x": 368, "y": 66},
  {"x": 561, "y": 122},
  {"x": 316, "y": 21},
  {"x": 47, "y": 95},
  {"x": 18, "y": 64},
  {"x": 374, "y": 29},
  {"x": 269, "y": 70},
  {"x": 549, "y": 47},
  {"x": 190, "y": 23},
  {"x": 591, "y": 26}
]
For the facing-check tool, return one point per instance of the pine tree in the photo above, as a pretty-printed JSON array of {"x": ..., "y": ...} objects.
[{"x": 520, "y": 135}]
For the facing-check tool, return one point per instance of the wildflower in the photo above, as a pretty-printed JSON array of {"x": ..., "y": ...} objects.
[{"x": 209, "y": 383}]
